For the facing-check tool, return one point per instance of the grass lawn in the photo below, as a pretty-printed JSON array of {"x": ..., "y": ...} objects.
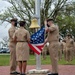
[{"x": 4, "y": 60}]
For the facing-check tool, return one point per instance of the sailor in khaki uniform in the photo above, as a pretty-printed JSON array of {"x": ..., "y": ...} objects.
[
  {"x": 60, "y": 50},
  {"x": 74, "y": 48},
  {"x": 12, "y": 46},
  {"x": 64, "y": 48},
  {"x": 22, "y": 37},
  {"x": 45, "y": 50},
  {"x": 53, "y": 39},
  {"x": 69, "y": 47}
]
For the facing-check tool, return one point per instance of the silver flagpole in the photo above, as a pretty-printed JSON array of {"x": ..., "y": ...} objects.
[{"x": 37, "y": 12}]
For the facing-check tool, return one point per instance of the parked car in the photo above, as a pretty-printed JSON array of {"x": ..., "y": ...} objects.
[
  {"x": 3, "y": 51},
  {"x": 8, "y": 51}
]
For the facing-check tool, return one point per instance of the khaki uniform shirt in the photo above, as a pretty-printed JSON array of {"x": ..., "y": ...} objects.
[
  {"x": 69, "y": 42},
  {"x": 53, "y": 34},
  {"x": 21, "y": 35},
  {"x": 11, "y": 31}
]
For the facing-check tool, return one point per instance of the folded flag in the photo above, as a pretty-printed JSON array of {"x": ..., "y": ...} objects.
[{"x": 37, "y": 41}]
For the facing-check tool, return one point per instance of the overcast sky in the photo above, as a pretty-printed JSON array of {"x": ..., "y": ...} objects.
[{"x": 5, "y": 26}]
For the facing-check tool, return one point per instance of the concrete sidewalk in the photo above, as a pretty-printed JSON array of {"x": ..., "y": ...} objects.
[{"x": 63, "y": 69}]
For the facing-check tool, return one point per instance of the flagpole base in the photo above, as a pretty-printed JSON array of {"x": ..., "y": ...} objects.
[{"x": 38, "y": 72}]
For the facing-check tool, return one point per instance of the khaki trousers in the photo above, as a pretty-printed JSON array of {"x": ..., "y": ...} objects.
[
  {"x": 64, "y": 52},
  {"x": 74, "y": 52},
  {"x": 13, "y": 63},
  {"x": 69, "y": 54},
  {"x": 53, "y": 50},
  {"x": 60, "y": 54}
]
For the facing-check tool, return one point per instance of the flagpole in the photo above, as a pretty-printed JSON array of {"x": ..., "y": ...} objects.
[
  {"x": 37, "y": 12},
  {"x": 38, "y": 70}
]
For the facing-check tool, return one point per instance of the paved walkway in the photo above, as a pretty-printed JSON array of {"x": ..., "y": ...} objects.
[{"x": 63, "y": 69}]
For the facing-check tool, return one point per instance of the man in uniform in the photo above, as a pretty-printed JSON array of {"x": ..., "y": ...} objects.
[
  {"x": 64, "y": 48},
  {"x": 74, "y": 47},
  {"x": 69, "y": 47},
  {"x": 60, "y": 49},
  {"x": 45, "y": 50},
  {"x": 12, "y": 47},
  {"x": 53, "y": 39}
]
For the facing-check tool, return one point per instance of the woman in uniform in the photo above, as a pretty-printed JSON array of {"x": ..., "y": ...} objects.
[{"x": 22, "y": 37}]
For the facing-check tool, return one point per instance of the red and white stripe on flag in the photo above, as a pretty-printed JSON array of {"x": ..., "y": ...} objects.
[{"x": 37, "y": 48}]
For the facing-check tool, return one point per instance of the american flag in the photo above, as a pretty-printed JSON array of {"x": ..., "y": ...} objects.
[{"x": 37, "y": 41}]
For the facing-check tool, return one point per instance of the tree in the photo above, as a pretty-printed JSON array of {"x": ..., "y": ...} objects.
[
  {"x": 66, "y": 19},
  {"x": 24, "y": 9},
  {"x": 62, "y": 12}
]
